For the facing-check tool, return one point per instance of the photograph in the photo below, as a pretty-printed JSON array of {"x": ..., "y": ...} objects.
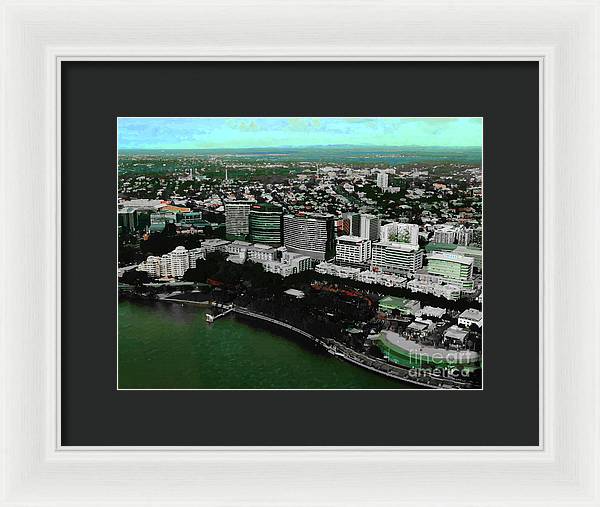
[{"x": 300, "y": 253}]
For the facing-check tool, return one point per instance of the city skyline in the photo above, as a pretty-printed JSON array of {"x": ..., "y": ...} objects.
[
  {"x": 369, "y": 255},
  {"x": 297, "y": 132}
]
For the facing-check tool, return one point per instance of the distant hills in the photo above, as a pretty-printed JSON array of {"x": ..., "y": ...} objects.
[{"x": 320, "y": 147}]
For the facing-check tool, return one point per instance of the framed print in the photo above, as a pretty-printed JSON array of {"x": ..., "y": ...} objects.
[
  {"x": 257, "y": 254},
  {"x": 306, "y": 224},
  {"x": 238, "y": 279}
]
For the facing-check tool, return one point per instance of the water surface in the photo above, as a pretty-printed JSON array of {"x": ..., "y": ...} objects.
[{"x": 170, "y": 346}]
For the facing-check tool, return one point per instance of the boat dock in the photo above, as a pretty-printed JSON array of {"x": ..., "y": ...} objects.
[{"x": 226, "y": 309}]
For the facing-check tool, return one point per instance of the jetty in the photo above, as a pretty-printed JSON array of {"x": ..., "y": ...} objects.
[{"x": 220, "y": 311}]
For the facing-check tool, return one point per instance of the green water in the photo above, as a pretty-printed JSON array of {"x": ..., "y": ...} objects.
[{"x": 170, "y": 346}]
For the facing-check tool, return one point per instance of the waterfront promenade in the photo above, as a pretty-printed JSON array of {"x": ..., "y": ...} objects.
[{"x": 370, "y": 363}]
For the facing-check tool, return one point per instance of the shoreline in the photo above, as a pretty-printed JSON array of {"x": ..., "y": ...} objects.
[
  {"x": 347, "y": 354},
  {"x": 396, "y": 372}
]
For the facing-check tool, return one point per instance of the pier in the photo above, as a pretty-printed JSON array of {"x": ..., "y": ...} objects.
[{"x": 226, "y": 309}]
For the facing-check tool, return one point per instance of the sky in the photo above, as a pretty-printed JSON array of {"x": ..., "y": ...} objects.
[{"x": 256, "y": 132}]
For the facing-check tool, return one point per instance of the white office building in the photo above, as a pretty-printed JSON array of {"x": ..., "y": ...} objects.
[
  {"x": 444, "y": 234},
  {"x": 464, "y": 235},
  {"x": 151, "y": 266},
  {"x": 393, "y": 257},
  {"x": 214, "y": 245},
  {"x": 449, "y": 233},
  {"x": 237, "y": 215},
  {"x": 177, "y": 262},
  {"x": 369, "y": 227},
  {"x": 352, "y": 250},
  {"x": 258, "y": 252},
  {"x": 383, "y": 179},
  {"x": 240, "y": 251},
  {"x": 290, "y": 264},
  {"x": 173, "y": 264}
]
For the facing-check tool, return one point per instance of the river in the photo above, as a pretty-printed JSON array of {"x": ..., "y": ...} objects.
[{"x": 170, "y": 346}]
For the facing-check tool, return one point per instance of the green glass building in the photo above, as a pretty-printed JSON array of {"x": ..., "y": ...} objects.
[
  {"x": 265, "y": 224},
  {"x": 454, "y": 269}
]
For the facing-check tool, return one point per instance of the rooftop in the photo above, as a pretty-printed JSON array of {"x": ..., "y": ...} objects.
[
  {"x": 260, "y": 246},
  {"x": 417, "y": 326},
  {"x": 214, "y": 242},
  {"x": 351, "y": 239},
  {"x": 471, "y": 314},
  {"x": 266, "y": 206},
  {"x": 398, "y": 246},
  {"x": 456, "y": 333},
  {"x": 294, "y": 292},
  {"x": 240, "y": 201},
  {"x": 432, "y": 247},
  {"x": 444, "y": 256},
  {"x": 434, "y": 311}
]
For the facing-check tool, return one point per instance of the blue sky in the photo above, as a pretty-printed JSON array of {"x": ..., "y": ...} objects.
[{"x": 256, "y": 132}]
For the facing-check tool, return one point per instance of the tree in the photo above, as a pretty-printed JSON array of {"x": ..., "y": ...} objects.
[{"x": 135, "y": 277}]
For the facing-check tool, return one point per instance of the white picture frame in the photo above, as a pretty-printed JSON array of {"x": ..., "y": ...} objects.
[{"x": 563, "y": 36}]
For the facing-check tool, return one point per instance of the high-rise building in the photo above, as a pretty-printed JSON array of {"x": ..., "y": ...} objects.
[
  {"x": 236, "y": 218},
  {"x": 449, "y": 233},
  {"x": 151, "y": 266},
  {"x": 369, "y": 227},
  {"x": 451, "y": 268},
  {"x": 400, "y": 233},
  {"x": 310, "y": 234},
  {"x": 444, "y": 234},
  {"x": 351, "y": 224},
  {"x": 383, "y": 179},
  {"x": 178, "y": 262},
  {"x": 392, "y": 257},
  {"x": 352, "y": 250},
  {"x": 266, "y": 224},
  {"x": 464, "y": 235},
  {"x": 173, "y": 264}
]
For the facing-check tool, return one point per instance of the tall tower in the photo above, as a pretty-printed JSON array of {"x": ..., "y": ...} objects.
[
  {"x": 369, "y": 227},
  {"x": 310, "y": 234},
  {"x": 265, "y": 224},
  {"x": 236, "y": 219}
]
